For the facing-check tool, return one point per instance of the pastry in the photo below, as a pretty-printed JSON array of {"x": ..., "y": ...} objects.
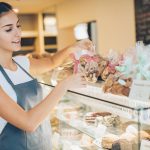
[
  {"x": 90, "y": 117},
  {"x": 108, "y": 140},
  {"x": 89, "y": 66},
  {"x": 117, "y": 86},
  {"x": 144, "y": 135},
  {"x": 126, "y": 124},
  {"x": 122, "y": 144},
  {"x": 131, "y": 129},
  {"x": 54, "y": 121},
  {"x": 109, "y": 121},
  {"x": 129, "y": 137},
  {"x": 102, "y": 65}
]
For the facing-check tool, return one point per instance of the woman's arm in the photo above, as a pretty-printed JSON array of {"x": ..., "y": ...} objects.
[
  {"x": 30, "y": 120},
  {"x": 42, "y": 65}
]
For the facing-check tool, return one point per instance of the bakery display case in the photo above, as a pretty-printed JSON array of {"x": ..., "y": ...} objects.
[{"x": 89, "y": 119}]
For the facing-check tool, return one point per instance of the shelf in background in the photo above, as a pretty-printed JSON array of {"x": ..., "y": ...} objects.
[
  {"x": 51, "y": 46},
  {"x": 28, "y": 34},
  {"x": 47, "y": 34},
  {"x": 26, "y": 48}
]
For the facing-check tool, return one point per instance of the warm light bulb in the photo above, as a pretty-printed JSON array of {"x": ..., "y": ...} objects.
[{"x": 16, "y": 10}]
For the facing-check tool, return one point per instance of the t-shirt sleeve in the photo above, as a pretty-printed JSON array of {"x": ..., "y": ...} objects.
[{"x": 23, "y": 61}]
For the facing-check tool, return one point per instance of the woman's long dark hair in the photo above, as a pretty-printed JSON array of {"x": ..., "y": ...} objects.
[{"x": 5, "y": 7}]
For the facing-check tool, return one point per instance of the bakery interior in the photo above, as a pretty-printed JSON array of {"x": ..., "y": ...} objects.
[{"x": 113, "y": 112}]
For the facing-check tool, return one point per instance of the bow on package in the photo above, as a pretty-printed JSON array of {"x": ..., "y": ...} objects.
[
  {"x": 136, "y": 63},
  {"x": 87, "y": 63}
]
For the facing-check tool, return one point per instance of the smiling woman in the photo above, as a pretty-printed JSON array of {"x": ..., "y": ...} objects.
[
  {"x": 24, "y": 123},
  {"x": 10, "y": 31}
]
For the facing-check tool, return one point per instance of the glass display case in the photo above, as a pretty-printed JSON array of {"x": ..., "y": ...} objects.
[{"x": 88, "y": 119}]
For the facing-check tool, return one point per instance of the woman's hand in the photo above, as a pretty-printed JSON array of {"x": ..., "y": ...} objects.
[
  {"x": 85, "y": 44},
  {"x": 75, "y": 81}
]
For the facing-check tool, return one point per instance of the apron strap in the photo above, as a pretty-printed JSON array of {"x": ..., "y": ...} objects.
[
  {"x": 24, "y": 70},
  {"x": 7, "y": 77}
]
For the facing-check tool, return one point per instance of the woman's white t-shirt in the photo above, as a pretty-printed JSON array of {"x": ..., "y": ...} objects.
[{"x": 17, "y": 77}]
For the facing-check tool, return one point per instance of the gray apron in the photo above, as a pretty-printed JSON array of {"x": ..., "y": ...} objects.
[{"x": 29, "y": 94}]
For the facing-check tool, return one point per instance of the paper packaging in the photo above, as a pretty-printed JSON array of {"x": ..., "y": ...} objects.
[
  {"x": 145, "y": 145},
  {"x": 140, "y": 90}
]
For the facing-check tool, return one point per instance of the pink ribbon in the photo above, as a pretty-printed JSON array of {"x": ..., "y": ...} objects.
[
  {"x": 85, "y": 57},
  {"x": 90, "y": 58},
  {"x": 76, "y": 63},
  {"x": 111, "y": 67}
]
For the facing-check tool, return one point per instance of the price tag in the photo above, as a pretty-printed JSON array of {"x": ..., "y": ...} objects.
[
  {"x": 145, "y": 145},
  {"x": 140, "y": 90}
]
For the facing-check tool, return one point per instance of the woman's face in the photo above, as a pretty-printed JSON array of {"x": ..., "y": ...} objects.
[{"x": 10, "y": 32}]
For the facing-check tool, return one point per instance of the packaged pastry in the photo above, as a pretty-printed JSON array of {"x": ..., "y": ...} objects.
[
  {"x": 102, "y": 65},
  {"x": 118, "y": 86},
  {"x": 108, "y": 71},
  {"x": 114, "y": 60},
  {"x": 136, "y": 63},
  {"x": 87, "y": 63}
]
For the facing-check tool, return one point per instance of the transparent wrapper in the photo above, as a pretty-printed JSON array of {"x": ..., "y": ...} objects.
[
  {"x": 62, "y": 72},
  {"x": 118, "y": 86},
  {"x": 113, "y": 60},
  {"x": 136, "y": 63},
  {"x": 86, "y": 62}
]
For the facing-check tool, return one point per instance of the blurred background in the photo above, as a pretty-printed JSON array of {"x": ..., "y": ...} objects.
[{"x": 50, "y": 25}]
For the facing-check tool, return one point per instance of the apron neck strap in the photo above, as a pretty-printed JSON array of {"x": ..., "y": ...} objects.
[
  {"x": 24, "y": 70},
  {"x": 7, "y": 77}
]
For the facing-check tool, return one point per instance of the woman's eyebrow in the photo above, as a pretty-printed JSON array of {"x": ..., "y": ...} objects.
[{"x": 8, "y": 25}]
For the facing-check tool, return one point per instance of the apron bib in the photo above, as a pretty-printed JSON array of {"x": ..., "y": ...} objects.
[{"x": 29, "y": 94}]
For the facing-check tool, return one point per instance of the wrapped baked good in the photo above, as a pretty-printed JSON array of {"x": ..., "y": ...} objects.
[
  {"x": 118, "y": 86},
  {"x": 89, "y": 66},
  {"x": 136, "y": 63},
  {"x": 114, "y": 60},
  {"x": 107, "y": 71},
  {"x": 87, "y": 63},
  {"x": 102, "y": 65}
]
